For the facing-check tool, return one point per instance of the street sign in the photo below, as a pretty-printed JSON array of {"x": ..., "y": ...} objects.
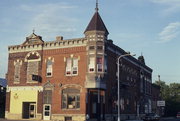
[{"x": 161, "y": 103}]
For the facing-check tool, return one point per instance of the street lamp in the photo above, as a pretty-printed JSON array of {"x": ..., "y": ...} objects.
[{"x": 121, "y": 56}]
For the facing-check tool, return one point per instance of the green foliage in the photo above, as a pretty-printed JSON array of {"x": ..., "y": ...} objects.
[{"x": 171, "y": 94}]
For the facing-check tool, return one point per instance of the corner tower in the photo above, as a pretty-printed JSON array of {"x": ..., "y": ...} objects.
[{"x": 96, "y": 33}]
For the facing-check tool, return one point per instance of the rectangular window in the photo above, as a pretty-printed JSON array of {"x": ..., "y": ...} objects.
[
  {"x": 68, "y": 118},
  {"x": 99, "y": 47},
  {"x": 49, "y": 69},
  {"x": 68, "y": 66},
  {"x": 75, "y": 66},
  {"x": 91, "y": 48},
  {"x": 91, "y": 64},
  {"x": 71, "y": 101},
  {"x": 47, "y": 96},
  {"x": 17, "y": 72},
  {"x": 99, "y": 64},
  {"x": 72, "y": 66}
]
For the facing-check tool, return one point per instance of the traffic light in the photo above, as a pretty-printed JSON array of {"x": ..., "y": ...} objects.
[{"x": 36, "y": 78}]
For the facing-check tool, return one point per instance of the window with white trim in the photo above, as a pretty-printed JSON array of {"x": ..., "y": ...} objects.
[
  {"x": 91, "y": 64},
  {"x": 49, "y": 68},
  {"x": 75, "y": 66},
  {"x": 99, "y": 64},
  {"x": 70, "y": 98},
  {"x": 72, "y": 66}
]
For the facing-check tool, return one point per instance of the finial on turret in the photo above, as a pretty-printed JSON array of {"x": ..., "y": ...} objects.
[
  {"x": 96, "y": 6},
  {"x": 33, "y": 31}
]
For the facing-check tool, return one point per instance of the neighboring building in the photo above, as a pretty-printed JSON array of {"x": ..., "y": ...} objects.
[
  {"x": 3, "y": 84},
  {"x": 75, "y": 79},
  {"x": 155, "y": 98}
]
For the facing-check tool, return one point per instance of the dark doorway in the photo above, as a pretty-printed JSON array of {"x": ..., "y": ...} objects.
[
  {"x": 93, "y": 104},
  {"x": 28, "y": 110}
]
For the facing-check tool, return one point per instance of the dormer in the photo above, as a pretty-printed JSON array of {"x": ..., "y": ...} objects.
[{"x": 33, "y": 39}]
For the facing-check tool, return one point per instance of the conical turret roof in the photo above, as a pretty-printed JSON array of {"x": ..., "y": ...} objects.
[{"x": 96, "y": 23}]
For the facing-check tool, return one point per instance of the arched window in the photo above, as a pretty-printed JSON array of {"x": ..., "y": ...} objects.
[
  {"x": 33, "y": 62},
  {"x": 70, "y": 98}
]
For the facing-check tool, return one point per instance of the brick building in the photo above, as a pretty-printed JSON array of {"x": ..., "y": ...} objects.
[{"x": 75, "y": 79}]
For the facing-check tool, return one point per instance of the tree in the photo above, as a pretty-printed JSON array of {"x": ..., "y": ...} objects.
[{"x": 171, "y": 94}]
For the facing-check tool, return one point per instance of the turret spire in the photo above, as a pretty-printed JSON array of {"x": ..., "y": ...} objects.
[
  {"x": 96, "y": 23},
  {"x": 33, "y": 31},
  {"x": 96, "y": 6}
]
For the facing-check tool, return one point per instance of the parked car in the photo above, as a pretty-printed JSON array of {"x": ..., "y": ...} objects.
[
  {"x": 178, "y": 115},
  {"x": 151, "y": 117}
]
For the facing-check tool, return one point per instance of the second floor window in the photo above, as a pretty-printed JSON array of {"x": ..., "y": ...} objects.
[
  {"x": 49, "y": 68},
  {"x": 33, "y": 60},
  {"x": 91, "y": 64},
  {"x": 17, "y": 68},
  {"x": 71, "y": 66},
  {"x": 99, "y": 64}
]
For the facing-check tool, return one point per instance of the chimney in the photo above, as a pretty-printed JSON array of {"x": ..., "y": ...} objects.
[{"x": 59, "y": 38}]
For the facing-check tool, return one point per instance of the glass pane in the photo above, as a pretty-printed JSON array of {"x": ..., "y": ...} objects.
[
  {"x": 31, "y": 115},
  {"x": 91, "y": 47},
  {"x": 69, "y": 64},
  {"x": 99, "y": 60},
  {"x": 99, "y": 47},
  {"x": 46, "y": 113},
  {"x": 94, "y": 108},
  {"x": 71, "y": 101},
  {"x": 78, "y": 97},
  {"x": 75, "y": 62},
  {"x": 91, "y": 64},
  {"x": 75, "y": 70},
  {"x": 64, "y": 105},
  {"x": 77, "y": 104},
  {"x": 47, "y": 107},
  {"x": 64, "y": 98},
  {"x": 31, "y": 107}
]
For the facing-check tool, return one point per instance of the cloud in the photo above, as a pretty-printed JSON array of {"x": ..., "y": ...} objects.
[
  {"x": 51, "y": 20},
  {"x": 172, "y": 6},
  {"x": 170, "y": 32}
]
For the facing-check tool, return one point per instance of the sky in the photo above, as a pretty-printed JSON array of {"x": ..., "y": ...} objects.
[{"x": 147, "y": 27}]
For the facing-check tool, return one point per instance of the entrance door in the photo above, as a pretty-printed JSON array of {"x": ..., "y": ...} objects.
[
  {"x": 29, "y": 110},
  {"x": 93, "y": 104},
  {"x": 46, "y": 112},
  {"x": 32, "y": 110}
]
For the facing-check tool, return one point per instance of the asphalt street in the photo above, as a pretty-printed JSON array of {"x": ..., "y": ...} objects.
[{"x": 163, "y": 119}]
